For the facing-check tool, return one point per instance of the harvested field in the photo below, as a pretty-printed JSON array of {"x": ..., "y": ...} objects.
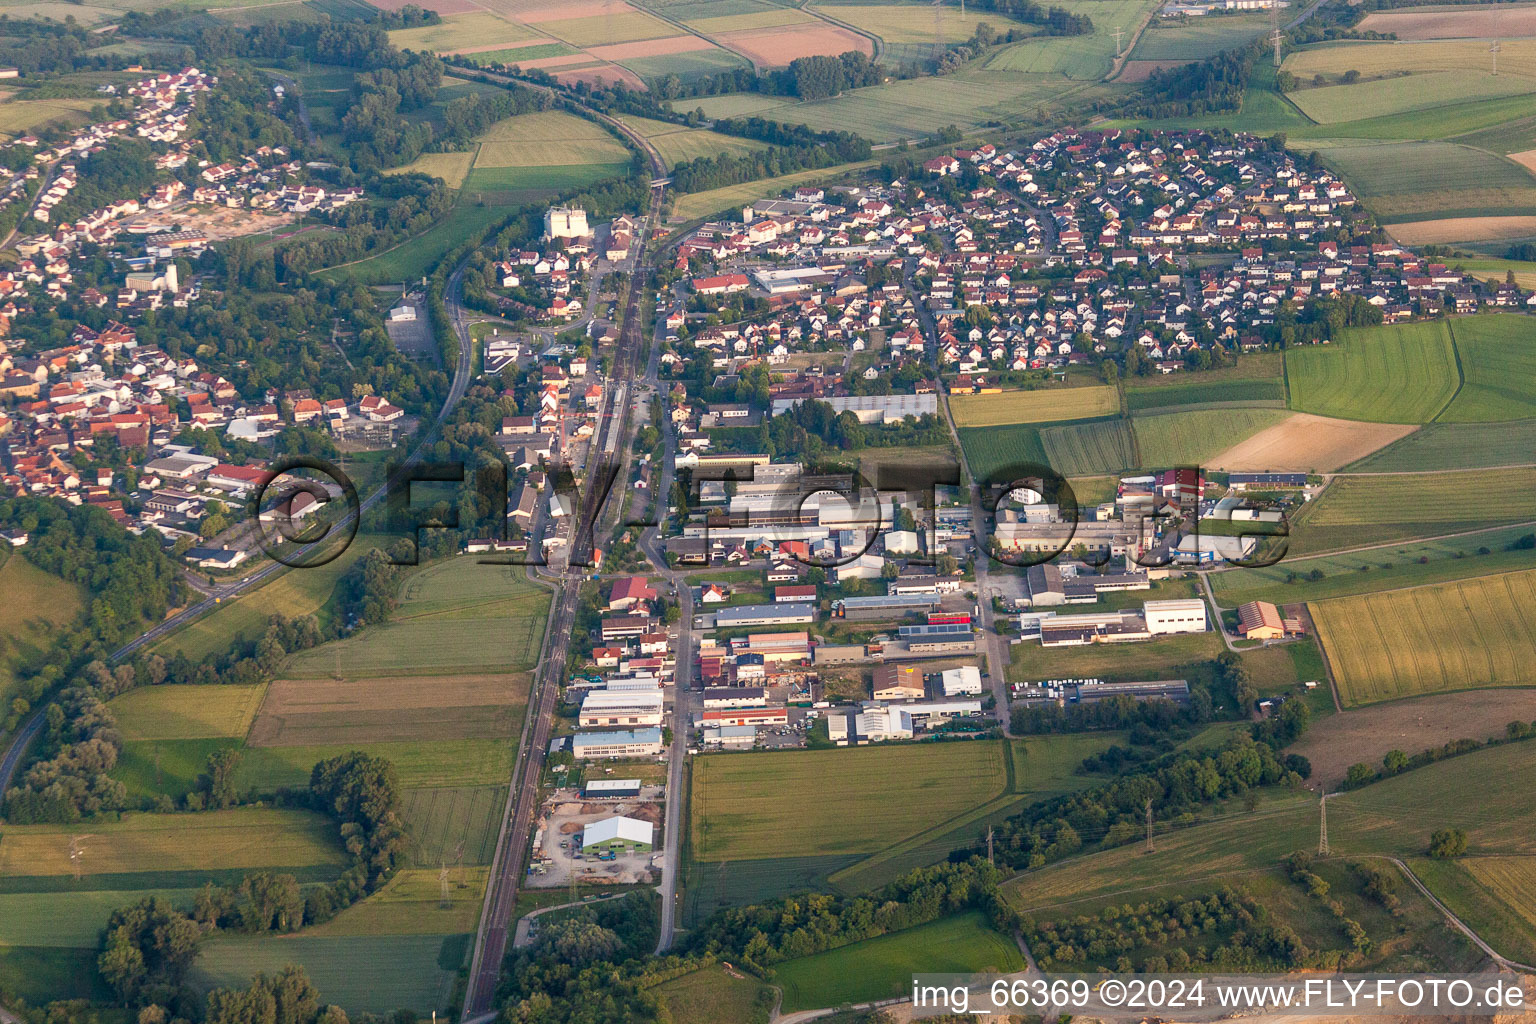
[
  {"x": 453, "y": 168},
  {"x": 1526, "y": 159},
  {"x": 607, "y": 29},
  {"x": 458, "y": 30},
  {"x": 1492, "y": 21},
  {"x": 1308, "y": 443},
  {"x": 1334, "y": 743},
  {"x": 1450, "y": 636},
  {"x": 1373, "y": 59},
  {"x": 768, "y": 18},
  {"x": 1466, "y": 229},
  {"x": 539, "y": 11},
  {"x": 1043, "y": 406},
  {"x": 921, "y": 23},
  {"x": 650, "y": 48},
  {"x": 303, "y": 712},
  {"x": 605, "y": 74},
  {"x": 1137, "y": 71},
  {"x": 775, "y": 47}
]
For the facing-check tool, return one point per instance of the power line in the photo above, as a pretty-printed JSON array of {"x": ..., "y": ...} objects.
[
  {"x": 1150, "y": 845},
  {"x": 1322, "y": 836}
]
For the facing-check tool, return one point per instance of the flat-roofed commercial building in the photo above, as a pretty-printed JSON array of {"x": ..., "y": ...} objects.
[
  {"x": 617, "y": 743},
  {"x": 620, "y": 707}
]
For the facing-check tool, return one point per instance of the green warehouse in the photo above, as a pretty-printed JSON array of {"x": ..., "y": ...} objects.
[{"x": 617, "y": 835}]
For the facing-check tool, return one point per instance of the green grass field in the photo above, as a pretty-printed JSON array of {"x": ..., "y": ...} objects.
[
  {"x": 186, "y": 712},
  {"x": 39, "y": 973},
  {"x": 680, "y": 144},
  {"x": 548, "y": 138},
  {"x": 36, "y": 604},
  {"x": 1081, "y": 58},
  {"x": 294, "y": 593},
  {"x": 247, "y": 837},
  {"x": 1400, "y": 374},
  {"x": 1452, "y": 500},
  {"x": 1207, "y": 394},
  {"x": 1197, "y": 38},
  {"x": 1387, "y": 96},
  {"x": 1411, "y": 181},
  {"x": 21, "y": 116},
  {"x": 152, "y": 767},
  {"x": 71, "y": 919},
  {"x": 1449, "y": 636},
  {"x": 360, "y": 973},
  {"x": 420, "y": 763},
  {"x": 1492, "y": 895},
  {"x": 711, "y": 994},
  {"x": 883, "y": 967},
  {"x": 1484, "y": 124},
  {"x": 411, "y": 904},
  {"x": 1387, "y": 568},
  {"x": 517, "y": 54},
  {"x": 444, "y": 821},
  {"x": 454, "y": 616},
  {"x": 1177, "y": 657},
  {"x": 1042, "y": 406},
  {"x": 1438, "y": 446},
  {"x": 744, "y": 808},
  {"x": 731, "y": 104},
  {"x": 1189, "y": 438},
  {"x": 1484, "y": 793},
  {"x": 1089, "y": 449},
  {"x": 1498, "y": 366}
]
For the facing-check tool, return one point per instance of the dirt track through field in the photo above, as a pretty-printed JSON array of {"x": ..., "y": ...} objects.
[
  {"x": 1310, "y": 444},
  {"x": 1366, "y": 734}
]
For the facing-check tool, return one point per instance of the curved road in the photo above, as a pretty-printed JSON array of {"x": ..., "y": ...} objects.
[{"x": 220, "y": 594}]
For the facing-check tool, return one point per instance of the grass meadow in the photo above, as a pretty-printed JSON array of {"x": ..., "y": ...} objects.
[
  {"x": 1411, "y": 181},
  {"x": 36, "y": 604},
  {"x": 187, "y": 712},
  {"x": 362, "y": 973},
  {"x": 1095, "y": 448},
  {"x": 1399, "y": 374},
  {"x": 883, "y": 967},
  {"x": 1192, "y": 39},
  {"x": 713, "y": 994},
  {"x": 1042, "y": 406},
  {"x": 1179, "y": 657},
  {"x": 462, "y": 31},
  {"x": 1498, "y": 365},
  {"x": 1492, "y": 895},
  {"x": 1440, "y": 446},
  {"x": 1386, "y": 96},
  {"x": 1461, "y": 635},
  {"x": 1408, "y": 564},
  {"x": 680, "y": 144},
  {"x": 1204, "y": 394},
  {"x": 745, "y": 808}
]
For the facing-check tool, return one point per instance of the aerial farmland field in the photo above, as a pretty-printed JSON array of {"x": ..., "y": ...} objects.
[
  {"x": 1089, "y": 449},
  {"x": 747, "y": 807},
  {"x": 1438, "y": 446},
  {"x": 1386, "y": 508},
  {"x": 38, "y": 603},
  {"x": 1398, "y": 374},
  {"x": 1042, "y": 406},
  {"x": 1498, "y": 364},
  {"x": 680, "y": 144},
  {"x": 1386, "y": 96},
  {"x": 1197, "y": 38},
  {"x": 1195, "y": 436},
  {"x": 1412, "y": 181},
  {"x": 1449, "y": 636}
]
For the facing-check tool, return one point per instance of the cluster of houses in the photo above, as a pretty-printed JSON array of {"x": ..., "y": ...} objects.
[
  {"x": 1071, "y": 247},
  {"x": 553, "y": 277},
  {"x": 65, "y": 403},
  {"x": 621, "y": 705}
]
